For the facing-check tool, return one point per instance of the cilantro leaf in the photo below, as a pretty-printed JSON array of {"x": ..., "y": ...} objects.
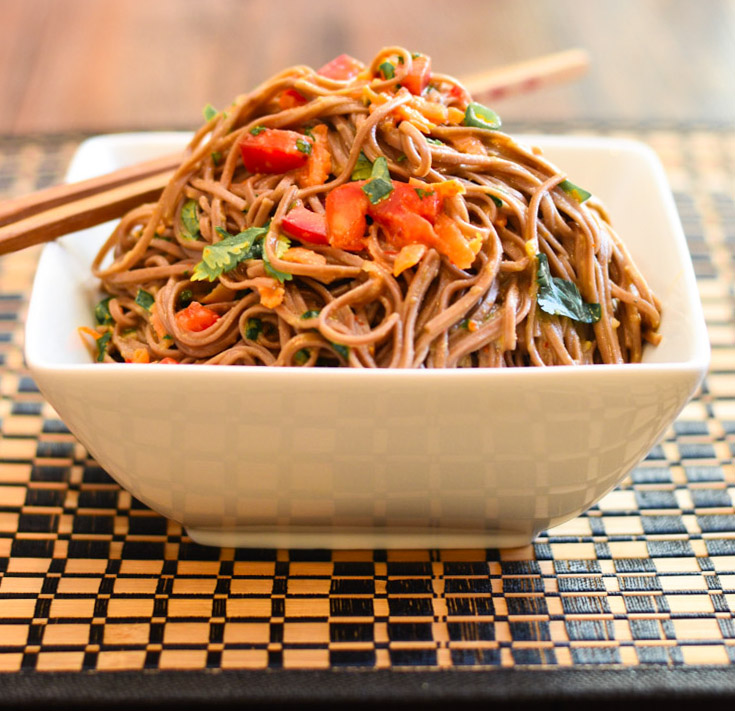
[
  {"x": 216, "y": 157},
  {"x": 561, "y": 297},
  {"x": 498, "y": 202},
  {"x": 312, "y": 313},
  {"x": 186, "y": 296},
  {"x": 282, "y": 244},
  {"x": 190, "y": 221},
  {"x": 344, "y": 351},
  {"x": 423, "y": 193},
  {"x": 226, "y": 254},
  {"x": 209, "y": 112},
  {"x": 387, "y": 70},
  {"x": 102, "y": 343},
  {"x": 479, "y": 116},
  {"x": 434, "y": 141},
  {"x": 379, "y": 186},
  {"x": 102, "y": 314},
  {"x": 579, "y": 194},
  {"x": 253, "y": 328},
  {"x": 303, "y": 146},
  {"x": 301, "y": 356},
  {"x": 363, "y": 168},
  {"x": 255, "y": 130},
  {"x": 144, "y": 299}
]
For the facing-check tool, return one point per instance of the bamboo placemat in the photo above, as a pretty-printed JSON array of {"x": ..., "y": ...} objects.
[{"x": 92, "y": 580}]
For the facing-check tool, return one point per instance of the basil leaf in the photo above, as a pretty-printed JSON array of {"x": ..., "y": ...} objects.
[
  {"x": 144, "y": 299},
  {"x": 387, "y": 70},
  {"x": 102, "y": 314},
  {"x": 560, "y": 297},
  {"x": 303, "y": 146},
  {"x": 579, "y": 194},
  {"x": 190, "y": 221},
  {"x": 379, "y": 186},
  {"x": 282, "y": 244},
  {"x": 209, "y": 112},
  {"x": 253, "y": 328},
  {"x": 479, "y": 116},
  {"x": 363, "y": 168},
  {"x": 226, "y": 254},
  {"x": 102, "y": 342}
]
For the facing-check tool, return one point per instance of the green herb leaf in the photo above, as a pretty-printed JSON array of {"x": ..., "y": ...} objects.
[
  {"x": 303, "y": 146},
  {"x": 209, "y": 112},
  {"x": 312, "y": 313},
  {"x": 344, "y": 351},
  {"x": 308, "y": 132},
  {"x": 226, "y": 254},
  {"x": 379, "y": 186},
  {"x": 302, "y": 356},
  {"x": 102, "y": 343},
  {"x": 498, "y": 202},
  {"x": 560, "y": 297},
  {"x": 186, "y": 296},
  {"x": 255, "y": 130},
  {"x": 102, "y": 314},
  {"x": 423, "y": 193},
  {"x": 363, "y": 168},
  {"x": 253, "y": 329},
  {"x": 435, "y": 141},
  {"x": 479, "y": 116},
  {"x": 387, "y": 70},
  {"x": 579, "y": 194},
  {"x": 144, "y": 299},
  {"x": 190, "y": 221},
  {"x": 216, "y": 157},
  {"x": 282, "y": 244}
]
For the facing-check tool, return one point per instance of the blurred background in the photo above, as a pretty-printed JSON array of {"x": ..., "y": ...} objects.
[{"x": 99, "y": 66}]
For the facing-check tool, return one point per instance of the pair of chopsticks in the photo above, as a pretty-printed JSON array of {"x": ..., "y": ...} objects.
[{"x": 48, "y": 214}]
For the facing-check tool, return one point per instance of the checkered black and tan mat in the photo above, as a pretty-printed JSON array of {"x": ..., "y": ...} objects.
[{"x": 92, "y": 580}]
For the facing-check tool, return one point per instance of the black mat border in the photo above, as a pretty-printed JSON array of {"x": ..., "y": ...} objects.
[{"x": 599, "y": 688}]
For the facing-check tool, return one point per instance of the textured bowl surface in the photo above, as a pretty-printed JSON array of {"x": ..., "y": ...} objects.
[{"x": 347, "y": 459}]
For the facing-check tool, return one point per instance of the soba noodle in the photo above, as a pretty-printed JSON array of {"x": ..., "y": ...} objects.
[{"x": 397, "y": 297}]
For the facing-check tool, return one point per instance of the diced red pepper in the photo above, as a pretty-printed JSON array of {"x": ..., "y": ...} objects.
[
  {"x": 306, "y": 225},
  {"x": 347, "y": 207},
  {"x": 290, "y": 99},
  {"x": 196, "y": 317},
  {"x": 343, "y": 67},
  {"x": 418, "y": 78},
  {"x": 168, "y": 361},
  {"x": 274, "y": 150}
]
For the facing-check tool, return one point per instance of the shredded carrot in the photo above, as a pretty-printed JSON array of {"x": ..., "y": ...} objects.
[
  {"x": 301, "y": 255},
  {"x": 157, "y": 324},
  {"x": 409, "y": 256},
  {"x": 469, "y": 144},
  {"x": 271, "y": 296},
  {"x": 453, "y": 242},
  {"x": 319, "y": 164},
  {"x": 86, "y": 331},
  {"x": 455, "y": 116},
  {"x": 140, "y": 355}
]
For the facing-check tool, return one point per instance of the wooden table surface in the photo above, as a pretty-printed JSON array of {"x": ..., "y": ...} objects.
[{"x": 93, "y": 65}]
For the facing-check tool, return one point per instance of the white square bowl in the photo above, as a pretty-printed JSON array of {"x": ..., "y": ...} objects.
[{"x": 340, "y": 458}]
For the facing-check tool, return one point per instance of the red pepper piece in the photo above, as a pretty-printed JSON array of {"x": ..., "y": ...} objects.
[
  {"x": 306, "y": 225},
  {"x": 273, "y": 150}
]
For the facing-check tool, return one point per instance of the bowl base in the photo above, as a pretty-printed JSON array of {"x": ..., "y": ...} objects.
[{"x": 328, "y": 538}]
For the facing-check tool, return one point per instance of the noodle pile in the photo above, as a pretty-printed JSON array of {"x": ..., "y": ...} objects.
[{"x": 403, "y": 294}]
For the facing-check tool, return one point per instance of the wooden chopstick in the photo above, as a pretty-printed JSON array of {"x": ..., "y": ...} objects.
[
  {"x": 528, "y": 76},
  {"x": 78, "y": 214},
  {"x": 48, "y": 214}
]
